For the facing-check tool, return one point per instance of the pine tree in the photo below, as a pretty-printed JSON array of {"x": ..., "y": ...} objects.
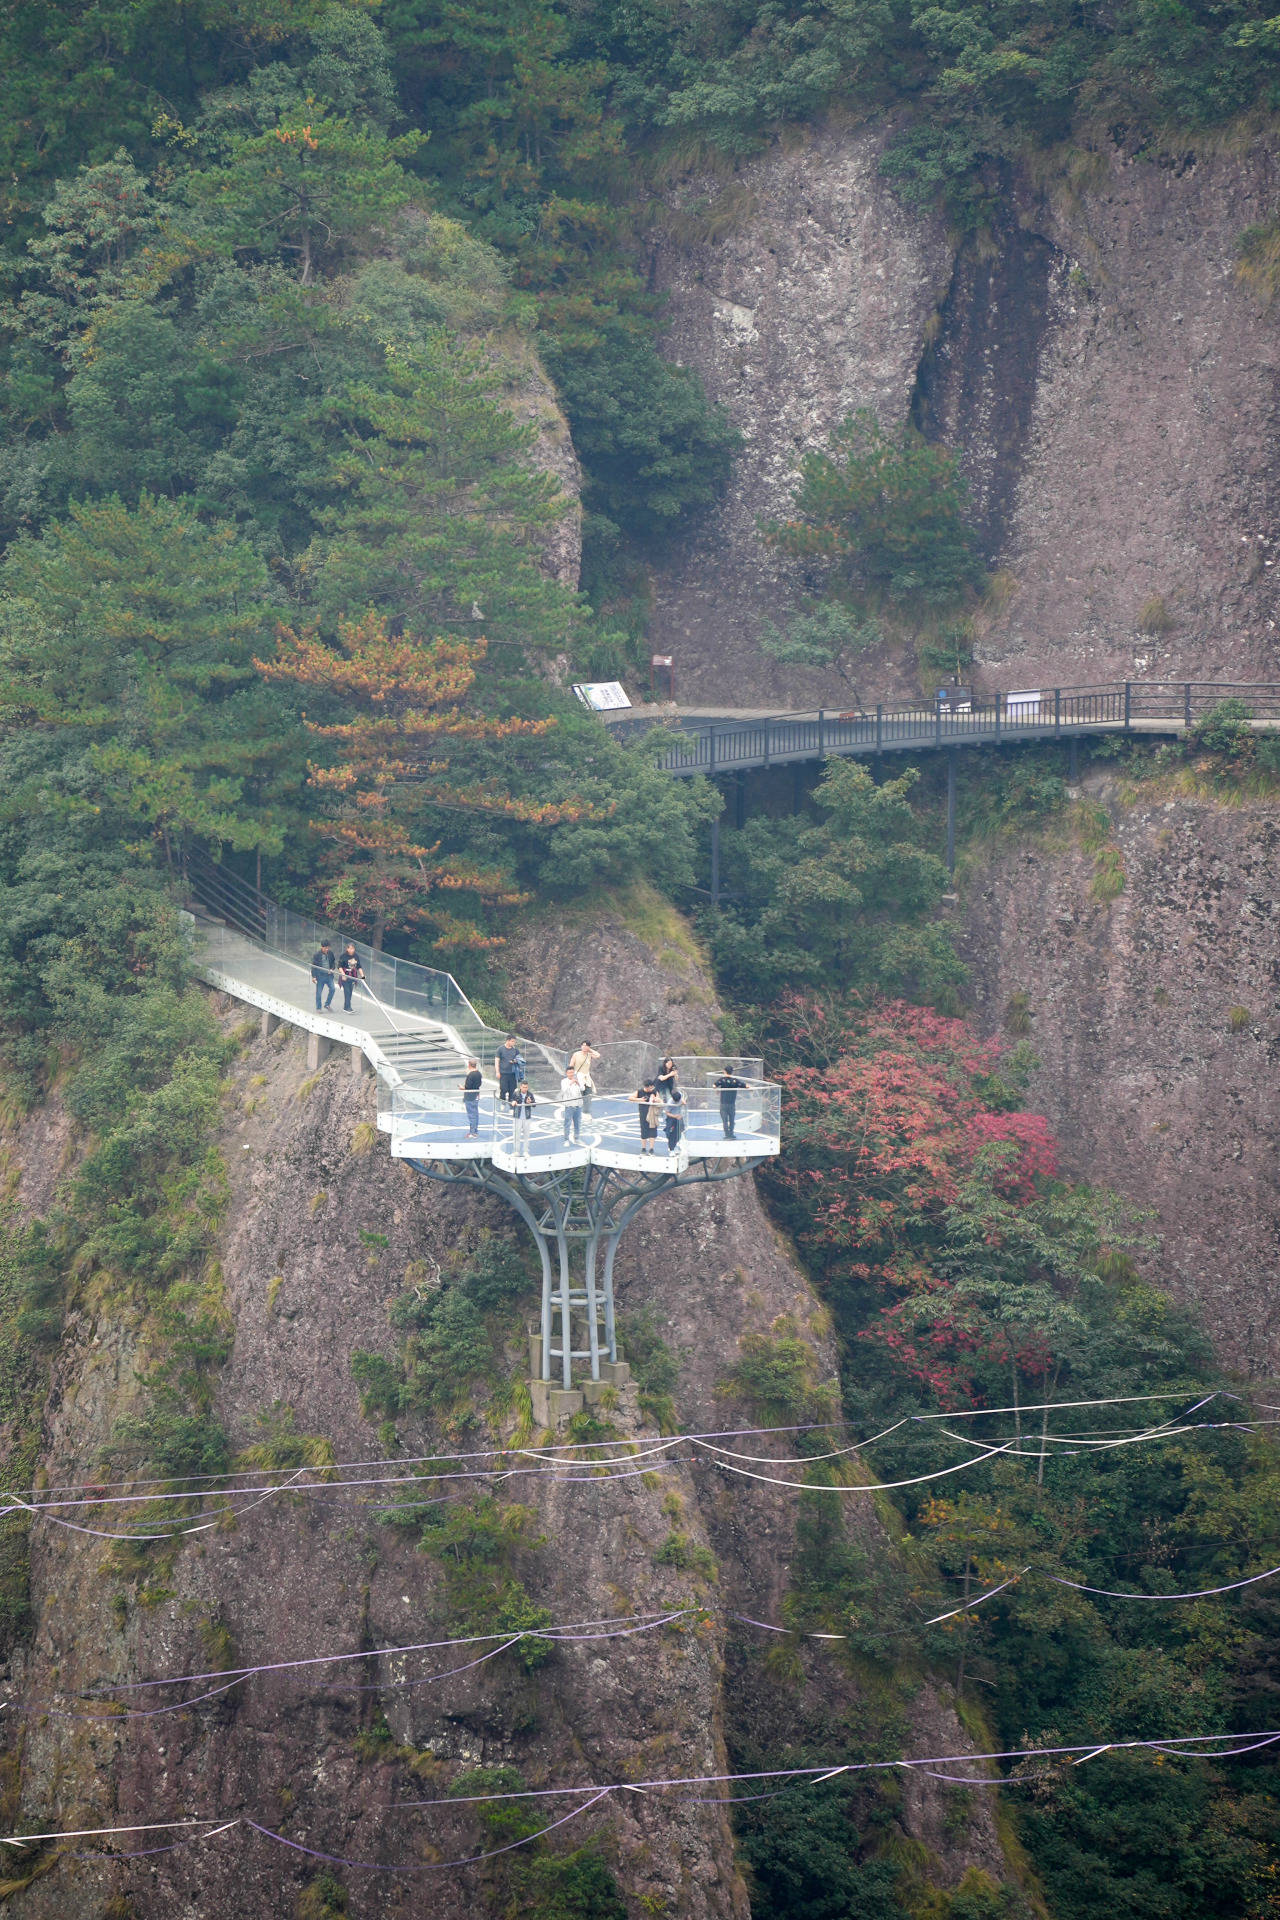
[
  {"x": 131, "y": 633},
  {"x": 399, "y": 759}
]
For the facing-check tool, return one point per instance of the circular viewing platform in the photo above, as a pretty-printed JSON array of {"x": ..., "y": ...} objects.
[{"x": 706, "y": 1127}]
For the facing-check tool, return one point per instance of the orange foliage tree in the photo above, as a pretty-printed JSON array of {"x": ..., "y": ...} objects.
[{"x": 395, "y": 761}]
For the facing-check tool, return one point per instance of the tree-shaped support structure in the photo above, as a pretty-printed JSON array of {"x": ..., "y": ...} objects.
[{"x": 591, "y": 1206}]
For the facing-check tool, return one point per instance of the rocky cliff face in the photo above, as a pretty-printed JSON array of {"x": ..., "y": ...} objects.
[
  {"x": 1156, "y": 1019},
  {"x": 322, "y": 1230},
  {"x": 1107, "y": 378}
]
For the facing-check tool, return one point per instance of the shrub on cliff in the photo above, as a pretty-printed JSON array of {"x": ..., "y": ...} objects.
[{"x": 885, "y": 513}]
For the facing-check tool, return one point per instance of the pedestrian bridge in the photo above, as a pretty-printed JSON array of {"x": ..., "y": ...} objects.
[{"x": 715, "y": 744}]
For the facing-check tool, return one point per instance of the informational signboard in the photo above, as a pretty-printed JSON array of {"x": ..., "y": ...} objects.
[{"x": 602, "y": 696}]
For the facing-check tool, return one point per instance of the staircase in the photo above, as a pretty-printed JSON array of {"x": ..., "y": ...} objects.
[{"x": 252, "y": 948}]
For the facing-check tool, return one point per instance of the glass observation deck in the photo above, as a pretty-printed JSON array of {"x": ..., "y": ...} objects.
[
  {"x": 418, "y": 1030},
  {"x": 709, "y": 1123}
]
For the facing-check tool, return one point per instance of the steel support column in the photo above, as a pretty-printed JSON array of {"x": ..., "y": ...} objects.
[{"x": 592, "y": 1205}]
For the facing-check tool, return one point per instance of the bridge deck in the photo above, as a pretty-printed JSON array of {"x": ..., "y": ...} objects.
[{"x": 738, "y": 742}]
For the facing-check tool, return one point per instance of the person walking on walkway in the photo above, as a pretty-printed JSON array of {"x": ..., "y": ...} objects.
[
  {"x": 522, "y": 1105},
  {"x": 509, "y": 1067},
  {"x": 649, "y": 1101},
  {"x": 324, "y": 967},
  {"x": 470, "y": 1090},
  {"x": 571, "y": 1106},
  {"x": 580, "y": 1062},
  {"x": 673, "y": 1119},
  {"x": 349, "y": 971},
  {"x": 730, "y": 1085}
]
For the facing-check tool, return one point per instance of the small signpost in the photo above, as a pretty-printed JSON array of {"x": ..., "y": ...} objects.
[
  {"x": 602, "y": 696},
  {"x": 662, "y": 677}
]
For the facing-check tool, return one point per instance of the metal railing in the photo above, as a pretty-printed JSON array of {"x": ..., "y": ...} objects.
[
  {"x": 402, "y": 986},
  {"x": 714, "y": 747},
  {"x": 238, "y": 917},
  {"x": 612, "y": 1117}
]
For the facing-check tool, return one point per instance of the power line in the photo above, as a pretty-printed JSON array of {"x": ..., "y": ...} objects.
[{"x": 1206, "y": 1746}]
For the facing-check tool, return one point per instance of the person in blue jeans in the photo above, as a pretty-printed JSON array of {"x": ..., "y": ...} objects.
[
  {"x": 571, "y": 1106},
  {"x": 324, "y": 971},
  {"x": 470, "y": 1090}
]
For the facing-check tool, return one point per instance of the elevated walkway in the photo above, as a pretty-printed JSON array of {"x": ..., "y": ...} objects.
[
  {"x": 570, "y": 1185},
  {"x": 741, "y": 741}
]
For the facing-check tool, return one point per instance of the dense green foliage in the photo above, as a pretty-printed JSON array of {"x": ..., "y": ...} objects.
[
  {"x": 848, "y": 901},
  {"x": 284, "y": 281},
  {"x": 883, "y": 513},
  {"x": 963, "y": 1272}
]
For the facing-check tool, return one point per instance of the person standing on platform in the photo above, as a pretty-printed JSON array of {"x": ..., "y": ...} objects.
[
  {"x": 730, "y": 1086},
  {"x": 669, "y": 1080},
  {"x": 581, "y": 1061},
  {"x": 507, "y": 1066},
  {"x": 522, "y": 1105},
  {"x": 649, "y": 1101},
  {"x": 349, "y": 971},
  {"x": 571, "y": 1106},
  {"x": 470, "y": 1090},
  {"x": 324, "y": 968},
  {"x": 673, "y": 1119}
]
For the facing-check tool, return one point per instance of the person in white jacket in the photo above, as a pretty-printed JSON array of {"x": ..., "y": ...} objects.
[
  {"x": 581, "y": 1062},
  {"x": 571, "y": 1106}
]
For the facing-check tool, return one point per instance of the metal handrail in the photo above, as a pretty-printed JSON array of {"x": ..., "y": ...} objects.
[{"x": 720, "y": 746}]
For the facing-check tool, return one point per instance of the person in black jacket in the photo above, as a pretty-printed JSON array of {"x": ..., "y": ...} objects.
[
  {"x": 508, "y": 1064},
  {"x": 729, "y": 1085},
  {"x": 324, "y": 967},
  {"x": 470, "y": 1091},
  {"x": 349, "y": 971}
]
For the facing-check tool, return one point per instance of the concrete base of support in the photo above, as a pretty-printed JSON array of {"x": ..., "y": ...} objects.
[
  {"x": 359, "y": 1065},
  {"x": 317, "y": 1050},
  {"x": 613, "y": 1373},
  {"x": 552, "y": 1405},
  {"x": 268, "y": 1024}
]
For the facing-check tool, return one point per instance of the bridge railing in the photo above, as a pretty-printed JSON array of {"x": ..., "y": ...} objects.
[{"x": 714, "y": 747}]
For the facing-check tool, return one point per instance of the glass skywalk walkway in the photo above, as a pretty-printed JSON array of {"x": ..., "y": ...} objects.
[{"x": 417, "y": 1030}]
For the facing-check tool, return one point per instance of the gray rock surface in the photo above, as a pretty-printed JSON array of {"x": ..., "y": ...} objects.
[
  {"x": 306, "y": 1278},
  {"x": 1107, "y": 378},
  {"x": 1153, "y": 1085},
  {"x": 812, "y": 303}
]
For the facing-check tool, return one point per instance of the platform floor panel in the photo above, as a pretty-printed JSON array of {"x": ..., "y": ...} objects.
[{"x": 611, "y": 1129}]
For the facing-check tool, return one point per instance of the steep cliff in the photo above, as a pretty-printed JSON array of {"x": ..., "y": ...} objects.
[
  {"x": 321, "y": 1231},
  {"x": 1156, "y": 1020},
  {"x": 1106, "y": 376}
]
